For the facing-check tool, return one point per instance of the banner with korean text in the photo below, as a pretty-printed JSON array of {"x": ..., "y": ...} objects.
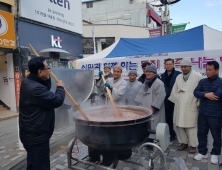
[
  {"x": 156, "y": 32},
  {"x": 178, "y": 28},
  {"x": 198, "y": 59},
  {"x": 65, "y": 14},
  {"x": 17, "y": 86}
]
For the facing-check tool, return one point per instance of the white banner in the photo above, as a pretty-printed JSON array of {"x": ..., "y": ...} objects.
[
  {"x": 198, "y": 58},
  {"x": 65, "y": 14}
]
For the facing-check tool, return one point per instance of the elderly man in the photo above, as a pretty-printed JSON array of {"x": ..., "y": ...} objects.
[
  {"x": 151, "y": 95},
  {"x": 142, "y": 78},
  {"x": 100, "y": 85},
  {"x": 186, "y": 106},
  {"x": 117, "y": 85},
  {"x": 132, "y": 89},
  {"x": 209, "y": 91},
  {"x": 169, "y": 78},
  {"x": 37, "y": 114}
]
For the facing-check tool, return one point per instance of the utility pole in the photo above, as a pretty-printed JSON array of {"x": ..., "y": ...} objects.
[{"x": 165, "y": 16}]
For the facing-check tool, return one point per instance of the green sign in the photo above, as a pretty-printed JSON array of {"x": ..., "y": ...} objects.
[{"x": 178, "y": 28}]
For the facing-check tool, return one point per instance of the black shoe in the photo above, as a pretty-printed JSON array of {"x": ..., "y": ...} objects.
[{"x": 172, "y": 138}]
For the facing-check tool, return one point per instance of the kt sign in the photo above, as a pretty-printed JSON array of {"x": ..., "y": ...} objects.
[{"x": 56, "y": 42}]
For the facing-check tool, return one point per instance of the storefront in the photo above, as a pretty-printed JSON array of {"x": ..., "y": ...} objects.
[
  {"x": 7, "y": 46},
  {"x": 48, "y": 41},
  {"x": 54, "y": 31},
  {"x": 57, "y": 46},
  {"x": 153, "y": 19}
]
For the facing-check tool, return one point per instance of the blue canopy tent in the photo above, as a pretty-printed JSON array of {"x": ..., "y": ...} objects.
[
  {"x": 201, "y": 38},
  {"x": 190, "y": 40}
]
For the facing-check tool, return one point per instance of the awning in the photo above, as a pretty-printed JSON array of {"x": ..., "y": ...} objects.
[{"x": 151, "y": 14}]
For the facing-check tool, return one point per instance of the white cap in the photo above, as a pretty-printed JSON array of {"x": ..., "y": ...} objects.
[{"x": 186, "y": 62}]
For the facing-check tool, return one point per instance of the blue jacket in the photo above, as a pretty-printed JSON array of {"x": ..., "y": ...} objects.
[
  {"x": 208, "y": 107},
  {"x": 172, "y": 81}
]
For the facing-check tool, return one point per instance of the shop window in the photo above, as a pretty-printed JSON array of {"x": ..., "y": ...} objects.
[
  {"x": 88, "y": 46},
  {"x": 107, "y": 42},
  {"x": 101, "y": 44},
  {"x": 89, "y": 4}
]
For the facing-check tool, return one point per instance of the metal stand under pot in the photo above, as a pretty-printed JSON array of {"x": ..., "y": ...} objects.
[{"x": 148, "y": 153}]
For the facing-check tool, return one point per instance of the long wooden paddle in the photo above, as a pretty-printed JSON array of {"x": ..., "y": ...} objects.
[
  {"x": 110, "y": 97},
  {"x": 67, "y": 93}
]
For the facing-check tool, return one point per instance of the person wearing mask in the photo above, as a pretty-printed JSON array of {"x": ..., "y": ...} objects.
[
  {"x": 151, "y": 95},
  {"x": 186, "y": 106},
  {"x": 117, "y": 85},
  {"x": 142, "y": 78},
  {"x": 169, "y": 78},
  {"x": 36, "y": 113},
  {"x": 209, "y": 91},
  {"x": 100, "y": 85},
  {"x": 132, "y": 89}
]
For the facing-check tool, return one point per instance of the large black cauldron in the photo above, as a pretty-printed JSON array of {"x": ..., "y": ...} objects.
[{"x": 113, "y": 136}]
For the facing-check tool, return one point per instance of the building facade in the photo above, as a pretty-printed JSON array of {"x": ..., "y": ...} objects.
[
  {"x": 106, "y": 35},
  {"x": 115, "y": 19},
  {"x": 124, "y": 12},
  {"x": 7, "y": 47},
  {"x": 53, "y": 29}
]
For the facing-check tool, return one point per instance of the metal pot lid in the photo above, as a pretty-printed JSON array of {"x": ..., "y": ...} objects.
[{"x": 79, "y": 83}]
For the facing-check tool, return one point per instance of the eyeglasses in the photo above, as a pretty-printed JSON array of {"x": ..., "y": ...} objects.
[
  {"x": 46, "y": 68},
  {"x": 168, "y": 64}
]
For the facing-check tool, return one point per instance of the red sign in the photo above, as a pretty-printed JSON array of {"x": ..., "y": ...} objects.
[
  {"x": 17, "y": 87},
  {"x": 5, "y": 79},
  {"x": 156, "y": 32}
]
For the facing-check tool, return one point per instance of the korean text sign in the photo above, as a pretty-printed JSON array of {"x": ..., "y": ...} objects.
[
  {"x": 7, "y": 30},
  {"x": 199, "y": 61},
  {"x": 65, "y": 14},
  {"x": 17, "y": 86}
]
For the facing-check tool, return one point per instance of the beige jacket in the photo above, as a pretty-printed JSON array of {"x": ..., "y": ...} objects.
[{"x": 186, "y": 104}]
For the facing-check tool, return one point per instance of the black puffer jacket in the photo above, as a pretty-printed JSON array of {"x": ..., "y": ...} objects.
[
  {"x": 36, "y": 109},
  {"x": 210, "y": 107},
  {"x": 142, "y": 78}
]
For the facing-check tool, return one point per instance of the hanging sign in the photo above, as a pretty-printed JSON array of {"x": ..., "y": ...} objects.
[
  {"x": 17, "y": 87},
  {"x": 155, "y": 32},
  {"x": 7, "y": 30},
  {"x": 178, "y": 28}
]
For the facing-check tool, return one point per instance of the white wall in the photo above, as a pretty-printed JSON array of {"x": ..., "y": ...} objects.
[
  {"x": 116, "y": 31},
  {"x": 4, "y": 89},
  {"x": 114, "y": 10},
  {"x": 10, "y": 73},
  {"x": 7, "y": 89}
]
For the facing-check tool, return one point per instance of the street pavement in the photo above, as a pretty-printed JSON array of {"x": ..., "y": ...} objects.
[
  {"x": 11, "y": 157},
  {"x": 7, "y": 114},
  {"x": 59, "y": 159}
]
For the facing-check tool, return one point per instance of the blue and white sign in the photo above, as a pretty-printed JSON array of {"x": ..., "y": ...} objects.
[{"x": 65, "y": 14}]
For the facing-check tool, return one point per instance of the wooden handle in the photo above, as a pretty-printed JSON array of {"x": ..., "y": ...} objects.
[
  {"x": 67, "y": 93},
  {"x": 110, "y": 97}
]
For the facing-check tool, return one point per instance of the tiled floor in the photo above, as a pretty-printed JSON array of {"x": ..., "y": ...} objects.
[{"x": 59, "y": 160}]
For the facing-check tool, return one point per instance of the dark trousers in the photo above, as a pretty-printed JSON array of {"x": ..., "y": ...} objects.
[
  {"x": 38, "y": 156},
  {"x": 206, "y": 123},
  {"x": 169, "y": 109}
]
